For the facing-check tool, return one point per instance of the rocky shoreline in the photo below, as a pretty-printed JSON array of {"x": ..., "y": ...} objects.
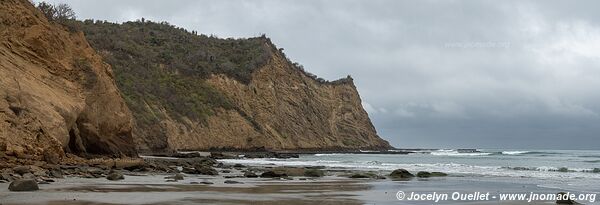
[
  {"x": 195, "y": 173},
  {"x": 25, "y": 175}
]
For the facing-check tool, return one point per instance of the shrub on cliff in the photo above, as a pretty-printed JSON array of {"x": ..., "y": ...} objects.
[
  {"x": 160, "y": 65},
  {"x": 59, "y": 12}
]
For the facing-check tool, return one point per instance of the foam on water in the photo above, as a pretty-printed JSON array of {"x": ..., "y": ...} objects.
[
  {"x": 451, "y": 168},
  {"x": 515, "y": 152},
  {"x": 553, "y": 167},
  {"x": 457, "y": 153},
  {"x": 509, "y": 163}
]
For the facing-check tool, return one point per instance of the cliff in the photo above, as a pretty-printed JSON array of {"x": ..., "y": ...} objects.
[
  {"x": 195, "y": 92},
  {"x": 282, "y": 109},
  {"x": 57, "y": 96}
]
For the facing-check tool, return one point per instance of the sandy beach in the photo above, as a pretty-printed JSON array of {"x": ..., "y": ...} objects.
[{"x": 232, "y": 188}]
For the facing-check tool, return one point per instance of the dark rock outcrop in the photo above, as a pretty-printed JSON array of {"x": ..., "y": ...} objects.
[
  {"x": 206, "y": 170},
  {"x": 22, "y": 170},
  {"x": 250, "y": 174},
  {"x": 115, "y": 175},
  {"x": 273, "y": 174},
  {"x": 177, "y": 177},
  {"x": 423, "y": 174},
  {"x": 314, "y": 173},
  {"x": 401, "y": 174},
  {"x": 23, "y": 185},
  {"x": 232, "y": 182}
]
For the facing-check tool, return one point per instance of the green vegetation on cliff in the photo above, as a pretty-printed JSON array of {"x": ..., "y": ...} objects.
[{"x": 157, "y": 64}]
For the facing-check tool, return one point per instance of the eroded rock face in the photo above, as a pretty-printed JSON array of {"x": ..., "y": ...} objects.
[
  {"x": 56, "y": 93},
  {"x": 281, "y": 109},
  {"x": 187, "y": 91}
]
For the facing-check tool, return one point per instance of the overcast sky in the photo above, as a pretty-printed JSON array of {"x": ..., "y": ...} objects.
[{"x": 443, "y": 74}]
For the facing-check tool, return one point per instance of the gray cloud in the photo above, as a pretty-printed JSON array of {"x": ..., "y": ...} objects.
[{"x": 496, "y": 74}]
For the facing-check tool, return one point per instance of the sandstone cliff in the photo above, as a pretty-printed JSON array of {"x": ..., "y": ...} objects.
[
  {"x": 56, "y": 93},
  {"x": 192, "y": 92},
  {"x": 282, "y": 109}
]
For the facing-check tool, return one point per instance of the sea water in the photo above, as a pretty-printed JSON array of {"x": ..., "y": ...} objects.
[{"x": 577, "y": 170}]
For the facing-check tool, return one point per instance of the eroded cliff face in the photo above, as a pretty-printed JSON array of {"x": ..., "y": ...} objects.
[
  {"x": 197, "y": 92},
  {"x": 281, "y": 109},
  {"x": 56, "y": 93}
]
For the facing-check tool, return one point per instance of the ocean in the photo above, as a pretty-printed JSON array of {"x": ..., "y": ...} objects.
[{"x": 569, "y": 170}]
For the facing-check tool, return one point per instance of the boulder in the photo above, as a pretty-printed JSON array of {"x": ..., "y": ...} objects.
[
  {"x": 290, "y": 171},
  {"x": 56, "y": 173},
  {"x": 206, "y": 170},
  {"x": 189, "y": 170},
  {"x": 37, "y": 171},
  {"x": 47, "y": 180},
  {"x": 178, "y": 176},
  {"x": 424, "y": 174},
  {"x": 23, "y": 185},
  {"x": 314, "y": 173},
  {"x": 22, "y": 170},
  {"x": 401, "y": 174},
  {"x": 239, "y": 166},
  {"x": 221, "y": 155},
  {"x": 187, "y": 155},
  {"x": 6, "y": 176},
  {"x": 28, "y": 176},
  {"x": 204, "y": 161},
  {"x": 250, "y": 174},
  {"x": 115, "y": 175},
  {"x": 232, "y": 182},
  {"x": 273, "y": 174},
  {"x": 161, "y": 167},
  {"x": 359, "y": 176},
  {"x": 438, "y": 174},
  {"x": 93, "y": 172},
  {"x": 51, "y": 156}
]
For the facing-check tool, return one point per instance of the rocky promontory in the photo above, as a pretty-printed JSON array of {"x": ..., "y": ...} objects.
[{"x": 57, "y": 96}]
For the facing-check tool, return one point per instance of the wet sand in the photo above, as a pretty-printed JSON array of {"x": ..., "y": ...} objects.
[{"x": 152, "y": 188}]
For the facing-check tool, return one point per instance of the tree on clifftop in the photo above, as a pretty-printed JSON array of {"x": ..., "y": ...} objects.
[{"x": 58, "y": 12}]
